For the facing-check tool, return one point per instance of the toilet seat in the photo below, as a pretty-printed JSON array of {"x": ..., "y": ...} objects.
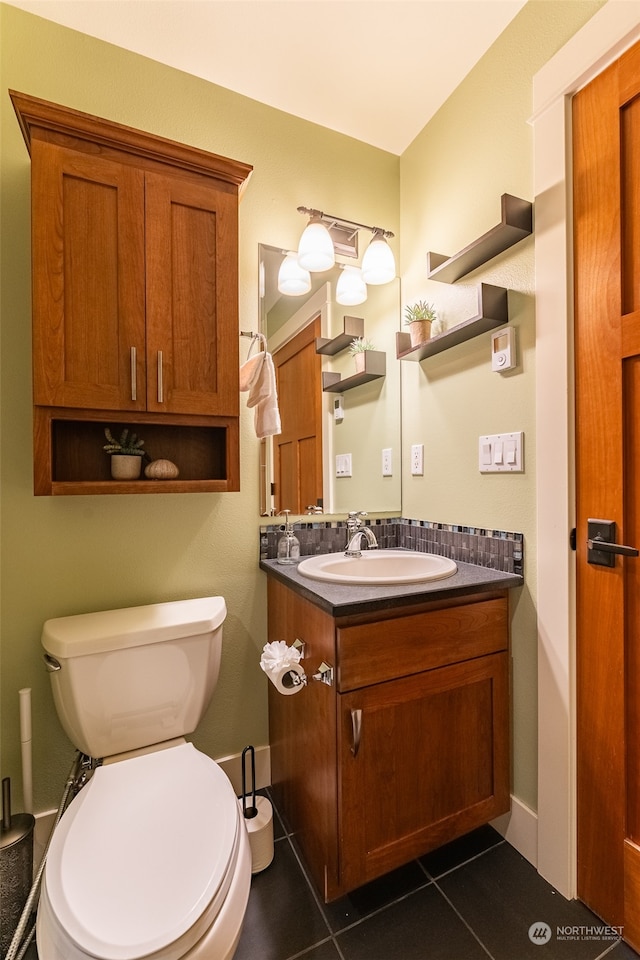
[{"x": 142, "y": 860}]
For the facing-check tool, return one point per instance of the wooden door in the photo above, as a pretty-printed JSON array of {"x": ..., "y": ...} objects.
[
  {"x": 298, "y": 449},
  {"x": 88, "y": 280},
  {"x": 430, "y": 763},
  {"x": 192, "y": 296},
  {"x": 606, "y": 117}
]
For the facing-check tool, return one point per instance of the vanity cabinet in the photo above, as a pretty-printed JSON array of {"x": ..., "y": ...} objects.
[
  {"x": 408, "y": 749},
  {"x": 135, "y": 285}
]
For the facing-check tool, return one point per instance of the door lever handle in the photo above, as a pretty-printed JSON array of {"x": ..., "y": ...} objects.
[
  {"x": 601, "y": 541},
  {"x": 613, "y": 548}
]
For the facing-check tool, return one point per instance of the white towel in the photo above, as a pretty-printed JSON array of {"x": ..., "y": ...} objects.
[
  {"x": 258, "y": 376},
  {"x": 249, "y": 371}
]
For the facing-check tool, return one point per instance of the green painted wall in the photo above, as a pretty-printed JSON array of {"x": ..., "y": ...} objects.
[
  {"x": 477, "y": 147},
  {"x": 69, "y": 555}
]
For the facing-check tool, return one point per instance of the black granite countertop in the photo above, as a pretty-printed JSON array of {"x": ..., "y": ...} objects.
[{"x": 342, "y": 600}]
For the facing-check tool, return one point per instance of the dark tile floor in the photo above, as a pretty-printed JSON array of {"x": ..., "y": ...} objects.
[{"x": 474, "y": 899}]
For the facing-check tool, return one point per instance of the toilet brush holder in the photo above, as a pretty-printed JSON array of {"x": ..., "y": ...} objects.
[
  {"x": 258, "y": 818},
  {"x": 16, "y": 866}
]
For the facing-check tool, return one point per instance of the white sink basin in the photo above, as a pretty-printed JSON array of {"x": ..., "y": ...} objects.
[{"x": 377, "y": 566}]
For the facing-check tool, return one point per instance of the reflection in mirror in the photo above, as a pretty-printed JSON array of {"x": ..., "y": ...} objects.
[{"x": 299, "y": 468}]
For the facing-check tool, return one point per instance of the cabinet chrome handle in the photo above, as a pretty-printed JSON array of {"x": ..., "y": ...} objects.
[
  {"x": 356, "y": 731},
  {"x": 160, "y": 390},
  {"x": 134, "y": 374}
]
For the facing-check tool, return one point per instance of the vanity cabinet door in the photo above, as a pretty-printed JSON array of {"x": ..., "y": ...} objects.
[
  {"x": 88, "y": 280},
  {"x": 423, "y": 759}
]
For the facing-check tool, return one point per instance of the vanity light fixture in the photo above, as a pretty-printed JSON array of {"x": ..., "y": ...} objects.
[
  {"x": 378, "y": 264},
  {"x": 293, "y": 280},
  {"x": 326, "y": 235},
  {"x": 351, "y": 288},
  {"x": 315, "y": 250}
]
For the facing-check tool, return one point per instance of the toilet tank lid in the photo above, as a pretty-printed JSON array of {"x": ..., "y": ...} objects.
[{"x": 100, "y": 632}]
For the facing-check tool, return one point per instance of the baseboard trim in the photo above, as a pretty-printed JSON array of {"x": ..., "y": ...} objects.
[{"x": 519, "y": 827}]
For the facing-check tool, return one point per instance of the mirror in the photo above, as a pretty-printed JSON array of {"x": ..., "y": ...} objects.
[{"x": 367, "y": 418}]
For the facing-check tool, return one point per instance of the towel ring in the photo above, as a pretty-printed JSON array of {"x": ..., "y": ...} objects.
[{"x": 255, "y": 338}]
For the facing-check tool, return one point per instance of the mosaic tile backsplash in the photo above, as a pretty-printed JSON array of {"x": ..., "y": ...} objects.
[{"x": 497, "y": 549}]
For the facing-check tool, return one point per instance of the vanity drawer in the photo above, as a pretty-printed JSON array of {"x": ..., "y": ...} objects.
[{"x": 371, "y": 653}]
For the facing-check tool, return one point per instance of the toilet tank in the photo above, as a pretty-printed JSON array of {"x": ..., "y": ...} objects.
[{"x": 126, "y": 679}]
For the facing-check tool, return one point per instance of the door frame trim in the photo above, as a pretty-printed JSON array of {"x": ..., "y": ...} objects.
[{"x": 610, "y": 31}]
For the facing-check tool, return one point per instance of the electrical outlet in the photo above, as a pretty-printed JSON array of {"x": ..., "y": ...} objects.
[
  {"x": 387, "y": 462},
  {"x": 417, "y": 460}
]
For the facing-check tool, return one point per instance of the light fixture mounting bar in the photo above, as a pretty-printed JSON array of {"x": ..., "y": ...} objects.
[{"x": 330, "y": 220}]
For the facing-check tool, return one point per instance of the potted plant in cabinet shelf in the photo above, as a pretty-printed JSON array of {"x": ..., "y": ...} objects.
[
  {"x": 126, "y": 454},
  {"x": 419, "y": 316},
  {"x": 357, "y": 349}
]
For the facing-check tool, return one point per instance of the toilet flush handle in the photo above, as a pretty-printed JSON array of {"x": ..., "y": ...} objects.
[{"x": 51, "y": 663}]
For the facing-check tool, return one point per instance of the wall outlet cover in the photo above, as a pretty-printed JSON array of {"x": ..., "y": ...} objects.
[{"x": 417, "y": 460}]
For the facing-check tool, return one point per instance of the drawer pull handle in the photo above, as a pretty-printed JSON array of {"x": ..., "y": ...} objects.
[{"x": 356, "y": 731}]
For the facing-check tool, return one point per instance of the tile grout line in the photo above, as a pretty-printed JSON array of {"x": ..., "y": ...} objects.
[
  {"x": 459, "y": 915},
  {"x": 464, "y": 863},
  {"x": 330, "y": 932}
]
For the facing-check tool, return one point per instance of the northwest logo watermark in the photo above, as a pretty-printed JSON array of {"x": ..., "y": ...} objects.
[{"x": 540, "y": 932}]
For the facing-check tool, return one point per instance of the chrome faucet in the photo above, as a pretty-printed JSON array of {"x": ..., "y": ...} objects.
[{"x": 355, "y": 532}]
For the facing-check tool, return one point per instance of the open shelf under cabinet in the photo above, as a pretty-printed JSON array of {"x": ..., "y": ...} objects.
[{"x": 69, "y": 459}]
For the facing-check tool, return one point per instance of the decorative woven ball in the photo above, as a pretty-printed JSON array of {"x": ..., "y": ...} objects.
[{"x": 161, "y": 470}]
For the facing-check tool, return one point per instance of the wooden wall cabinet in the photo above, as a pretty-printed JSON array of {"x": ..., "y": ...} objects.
[
  {"x": 410, "y": 747},
  {"x": 135, "y": 285}
]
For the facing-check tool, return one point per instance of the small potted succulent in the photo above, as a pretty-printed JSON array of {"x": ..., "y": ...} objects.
[
  {"x": 126, "y": 454},
  {"x": 357, "y": 349},
  {"x": 420, "y": 316}
]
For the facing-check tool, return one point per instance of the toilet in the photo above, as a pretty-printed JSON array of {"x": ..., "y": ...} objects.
[{"x": 151, "y": 858}]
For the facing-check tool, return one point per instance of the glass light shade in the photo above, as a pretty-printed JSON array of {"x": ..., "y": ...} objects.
[
  {"x": 315, "y": 250},
  {"x": 292, "y": 279},
  {"x": 351, "y": 289},
  {"x": 378, "y": 265}
]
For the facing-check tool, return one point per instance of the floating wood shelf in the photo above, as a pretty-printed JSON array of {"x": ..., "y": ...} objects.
[
  {"x": 375, "y": 367},
  {"x": 516, "y": 223},
  {"x": 493, "y": 312},
  {"x": 353, "y": 329}
]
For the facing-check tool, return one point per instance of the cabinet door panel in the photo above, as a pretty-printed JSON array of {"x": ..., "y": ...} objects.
[
  {"x": 192, "y": 283},
  {"x": 88, "y": 280},
  {"x": 432, "y": 763}
]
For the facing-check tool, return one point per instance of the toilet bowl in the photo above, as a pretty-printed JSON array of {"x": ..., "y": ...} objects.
[{"x": 151, "y": 859}]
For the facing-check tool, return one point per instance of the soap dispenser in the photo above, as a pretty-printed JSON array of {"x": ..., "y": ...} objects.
[{"x": 288, "y": 544}]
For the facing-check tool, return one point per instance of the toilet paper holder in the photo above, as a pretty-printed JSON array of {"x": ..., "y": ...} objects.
[
  {"x": 324, "y": 674},
  {"x": 282, "y": 665},
  {"x": 325, "y": 670}
]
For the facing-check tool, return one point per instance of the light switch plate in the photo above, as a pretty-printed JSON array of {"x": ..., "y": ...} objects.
[
  {"x": 343, "y": 465},
  {"x": 501, "y": 453}
]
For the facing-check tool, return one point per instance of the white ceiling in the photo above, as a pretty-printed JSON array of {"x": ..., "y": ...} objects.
[{"x": 376, "y": 70}]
